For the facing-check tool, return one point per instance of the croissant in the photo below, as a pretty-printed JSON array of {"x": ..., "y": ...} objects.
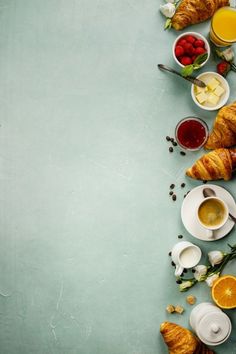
[
  {"x": 190, "y": 12},
  {"x": 217, "y": 164},
  {"x": 224, "y": 128},
  {"x": 182, "y": 341}
]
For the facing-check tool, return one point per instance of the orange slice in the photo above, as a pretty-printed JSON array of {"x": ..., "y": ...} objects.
[{"x": 224, "y": 292}]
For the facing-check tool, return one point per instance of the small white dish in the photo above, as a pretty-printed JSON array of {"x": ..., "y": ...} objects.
[
  {"x": 196, "y": 35},
  {"x": 191, "y": 223},
  {"x": 206, "y": 78}
]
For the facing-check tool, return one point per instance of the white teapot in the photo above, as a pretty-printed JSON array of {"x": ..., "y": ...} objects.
[{"x": 210, "y": 323}]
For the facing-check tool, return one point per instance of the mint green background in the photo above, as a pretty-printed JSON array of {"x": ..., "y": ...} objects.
[{"x": 86, "y": 219}]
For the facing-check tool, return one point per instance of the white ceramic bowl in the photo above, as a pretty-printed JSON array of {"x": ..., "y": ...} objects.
[
  {"x": 206, "y": 78},
  {"x": 196, "y": 35}
]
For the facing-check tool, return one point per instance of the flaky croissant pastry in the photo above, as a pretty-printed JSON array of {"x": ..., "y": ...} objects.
[
  {"x": 224, "y": 128},
  {"x": 182, "y": 341},
  {"x": 190, "y": 12},
  {"x": 217, "y": 164}
]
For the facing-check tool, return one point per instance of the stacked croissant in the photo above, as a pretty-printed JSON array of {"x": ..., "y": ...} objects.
[
  {"x": 182, "y": 341},
  {"x": 220, "y": 163}
]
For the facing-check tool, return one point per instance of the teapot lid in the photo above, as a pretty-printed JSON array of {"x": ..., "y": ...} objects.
[{"x": 214, "y": 328}]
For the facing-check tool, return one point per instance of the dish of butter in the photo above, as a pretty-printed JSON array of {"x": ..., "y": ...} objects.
[{"x": 209, "y": 95}]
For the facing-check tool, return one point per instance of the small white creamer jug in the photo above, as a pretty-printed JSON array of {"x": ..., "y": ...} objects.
[
  {"x": 210, "y": 323},
  {"x": 185, "y": 255}
]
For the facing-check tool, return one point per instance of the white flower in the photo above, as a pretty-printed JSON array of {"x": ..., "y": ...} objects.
[
  {"x": 185, "y": 285},
  {"x": 168, "y": 10},
  {"x": 210, "y": 280},
  {"x": 228, "y": 54},
  {"x": 200, "y": 272},
  {"x": 215, "y": 257}
]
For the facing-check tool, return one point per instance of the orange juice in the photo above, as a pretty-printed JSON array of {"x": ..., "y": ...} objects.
[{"x": 223, "y": 26}]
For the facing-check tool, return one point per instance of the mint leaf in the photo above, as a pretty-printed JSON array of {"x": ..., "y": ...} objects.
[
  {"x": 200, "y": 59},
  {"x": 167, "y": 24},
  {"x": 187, "y": 70},
  {"x": 196, "y": 66}
]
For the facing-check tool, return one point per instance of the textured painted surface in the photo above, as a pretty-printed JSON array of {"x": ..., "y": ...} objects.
[{"x": 86, "y": 220}]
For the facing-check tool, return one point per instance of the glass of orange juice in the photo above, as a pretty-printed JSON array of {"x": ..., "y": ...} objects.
[{"x": 223, "y": 27}]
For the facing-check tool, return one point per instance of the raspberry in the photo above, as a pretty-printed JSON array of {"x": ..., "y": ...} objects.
[
  {"x": 188, "y": 49},
  {"x": 200, "y": 50},
  {"x": 179, "y": 51},
  {"x": 182, "y": 42},
  {"x": 190, "y": 39},
  {"x": 199, "y": 43},
  {"x": 186, "y": 60}
]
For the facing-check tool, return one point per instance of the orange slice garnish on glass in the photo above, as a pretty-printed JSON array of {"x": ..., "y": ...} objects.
[{"x": 224, "y": 292}]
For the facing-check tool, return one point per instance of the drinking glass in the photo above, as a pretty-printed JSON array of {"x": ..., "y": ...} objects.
[{"x": 223, "y": 27}]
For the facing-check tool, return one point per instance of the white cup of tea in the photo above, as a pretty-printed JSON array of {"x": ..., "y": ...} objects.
[
  {"x": 212, "y": 214},
  {"x": 185, "y": 255}
]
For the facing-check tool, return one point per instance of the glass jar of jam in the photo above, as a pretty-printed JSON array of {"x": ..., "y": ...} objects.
[{"x": 191, "y": 133}]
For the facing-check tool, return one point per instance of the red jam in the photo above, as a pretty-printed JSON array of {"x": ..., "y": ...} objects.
[{"x": 191, "y": 133}]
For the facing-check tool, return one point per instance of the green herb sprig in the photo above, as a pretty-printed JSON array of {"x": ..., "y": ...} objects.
[
  {"x": 168, "y": 23},
  {"x": 188, "y": 69},
  {"x": 211, "y": 271}
]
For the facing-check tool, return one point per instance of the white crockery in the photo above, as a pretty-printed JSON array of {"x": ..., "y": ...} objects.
[
  {"x": 190, "y": 222},
  {"x": 198, "y": 36},
  {"x": 210, "y": 229},
  {"x": 210, "y": 323},
  {"x": 185, "y": 255},
  {"x": 206, "y": 77}
]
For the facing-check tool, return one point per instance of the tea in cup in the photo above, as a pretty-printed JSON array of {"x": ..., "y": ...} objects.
[
  {"x": 185, "y": 255},
  {"x": 212, "y": 214}
]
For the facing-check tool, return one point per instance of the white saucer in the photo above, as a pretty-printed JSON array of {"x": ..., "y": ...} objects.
[{"x": 188, "y": 212}]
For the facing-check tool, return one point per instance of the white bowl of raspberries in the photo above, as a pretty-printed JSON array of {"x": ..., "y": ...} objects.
[{"x": 188, "y": 47}]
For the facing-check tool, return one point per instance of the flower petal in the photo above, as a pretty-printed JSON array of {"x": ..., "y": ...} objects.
[
  {"x": 168, "y": 10},
  {"x": 215, "y": 257},
  {"x": 210, "y": 280},
  {"x": 200, "y": 272},
  {"x": 185, "y": 285}
]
